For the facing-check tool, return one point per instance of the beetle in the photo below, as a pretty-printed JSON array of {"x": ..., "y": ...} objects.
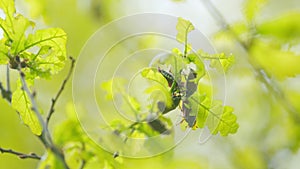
[{"x": 180, "y": 91}]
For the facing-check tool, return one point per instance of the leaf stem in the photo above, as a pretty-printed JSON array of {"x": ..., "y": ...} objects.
[
  {"x": 19, "y": 154},
  {"x": 62, "y": 87}
]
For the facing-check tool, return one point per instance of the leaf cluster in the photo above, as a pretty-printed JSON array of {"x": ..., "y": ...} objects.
[{"x": 179, "y": 82}]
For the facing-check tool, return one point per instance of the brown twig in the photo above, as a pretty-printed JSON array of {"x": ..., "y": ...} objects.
[
  {"x": 54, "y": 100},
  {"x": 20, "y": 155}
]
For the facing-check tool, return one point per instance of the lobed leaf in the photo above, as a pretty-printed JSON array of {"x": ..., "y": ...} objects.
[
  {"x": 218, "y": 118},
  {"x": 227, "y": 124},
  {"x": 43, "y": 51},
  {"x": 17, "y": 33},
  {"x": 183, "y": 27},
  {"x": 161, "y": 85},
  {"x": 50, "y": 58},
  {"x": 8, "y": 8},
  {"x": 212, "y": 113},
  {"x": 219, "y": 61},
  {"x": 21, "y": 103}
]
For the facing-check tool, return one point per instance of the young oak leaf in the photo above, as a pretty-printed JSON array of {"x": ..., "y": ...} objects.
[
  {"x": 219, "y": 61},
  {"x": 21, "y": 103},
  {"x": 183, "y": 27},
  {"x": 212, "y": 113},
  {"x": 161, "y": 85},
  {"x": 42, "y": 63},
  {"x": 219, "y": 118},
  {"x": 14, "y": 27},
  {"x": 8, "y": 8},
  {"x": 227, "y": 124},
  {"x": 50, "y": 58},
  {"x": 202, "y": 114}
]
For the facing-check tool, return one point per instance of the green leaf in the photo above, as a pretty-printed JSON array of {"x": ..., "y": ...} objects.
[
  {"x": 14, "y": 27},
  {"x": 227, "y": 124},
  {"x": 50, "y": 44},
  {"x": 219, "y": 118},
  {"x": 202, "y": 113},
  {"x": 219, "y": 61},
  {"x": 8, "y": 7},
  {"x": 183, "y": 27},
  {"x": 17, "y": 33},
  {"x": 212, "y": 113},
  {"x": 277, "y": 62},
  {"x": 21, "y": 103},
  {"x": 160, "y": 84},
  {"x": 3, "y": 54},
  {"x": 200, "y": 68},
  {"x": 252, "y": 8},
  {"x": 286, "y": 27},
  {"x": 51, "y": 56},
  {"x": 152, "y": 75}
]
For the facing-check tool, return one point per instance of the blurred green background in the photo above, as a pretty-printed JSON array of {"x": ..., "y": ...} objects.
[{"x": 267, "y": 138}]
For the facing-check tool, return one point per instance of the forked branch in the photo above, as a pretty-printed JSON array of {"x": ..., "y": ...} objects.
[{"x": 20, "y": 155}]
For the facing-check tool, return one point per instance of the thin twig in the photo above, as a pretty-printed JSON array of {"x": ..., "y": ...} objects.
[
  {"x": 45, "y": 137},
  {"x": 5, "y": 94},
  {"x": 19, "y": 154},
  {"x": 62, "y": 87},
  {"x": 271, "y": 85},
  {"x": 7, "y": 79}
]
